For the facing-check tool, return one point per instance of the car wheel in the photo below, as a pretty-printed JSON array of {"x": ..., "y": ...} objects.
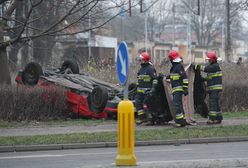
[
  {"x": 31, "y": 73},
  {"x": 98, "y": 98},
  {"x": 70, "y": 66}
]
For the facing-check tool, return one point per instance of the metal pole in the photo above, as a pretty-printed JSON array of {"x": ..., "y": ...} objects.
[
  {"x": 189, "y": 35},
  {"x": 89, "y": 38},
  {"x": 228, "y": 34},
  {"x": 122, "y": 34},
  {"x": 174, "y": 28},
  {"x": 145, "y": 30},
  {"x": 222, "y": 36}
]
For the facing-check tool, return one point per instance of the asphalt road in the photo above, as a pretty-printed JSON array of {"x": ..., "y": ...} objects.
[{"x": 214, "y": 155}]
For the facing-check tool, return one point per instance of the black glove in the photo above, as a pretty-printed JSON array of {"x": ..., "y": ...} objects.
[
  {"x": 161, "y": 75},
  {"x": 196, "y": 67},
  {"x": 185, "y": 92},
  {"x": 152, "y": 92}
]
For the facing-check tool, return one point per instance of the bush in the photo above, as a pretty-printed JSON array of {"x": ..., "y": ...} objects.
[
  {"x": 25, "y": 104},
  {"x": 235, "y": 80},
  {"x": 235, "y": 83}
]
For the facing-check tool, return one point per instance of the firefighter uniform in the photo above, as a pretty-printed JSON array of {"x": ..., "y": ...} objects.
[
  {"x": 179, "y": 84},
  {"x": 214, "y": 87},
  {"x": 145, "y": 76}
]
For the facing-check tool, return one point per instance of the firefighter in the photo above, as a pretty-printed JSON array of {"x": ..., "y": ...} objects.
[
  {"x": 146, "y": 80},
  {"x": 214, "y": 86},
  {"x": 179, "y": 84}
]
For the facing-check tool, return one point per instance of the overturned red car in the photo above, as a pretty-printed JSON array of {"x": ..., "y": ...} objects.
[{"x": 85, "y": 96}]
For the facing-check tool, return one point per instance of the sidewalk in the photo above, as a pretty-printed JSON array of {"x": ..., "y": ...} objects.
[{"x": 48, "y": 130}]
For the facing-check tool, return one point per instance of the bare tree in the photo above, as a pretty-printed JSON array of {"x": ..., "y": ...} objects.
[
  {"x": 158, "y": 18},
  {"x": 42, "y": 19},
  {"x": 208, "y": 26}
]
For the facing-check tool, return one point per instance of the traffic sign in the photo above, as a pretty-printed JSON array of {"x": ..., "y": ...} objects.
[
  {"x": 122, "y": 12},
  {"x": 122, "y": 63}
]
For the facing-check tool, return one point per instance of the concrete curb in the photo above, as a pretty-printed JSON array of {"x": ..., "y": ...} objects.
[{"x": 177, "y": 142}]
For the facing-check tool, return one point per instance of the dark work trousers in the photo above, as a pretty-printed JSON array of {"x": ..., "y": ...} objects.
[
  {"x": 139, "y": 100},
  {"x": 178, "y": 103},
  {"x": 214, "y": 101}
]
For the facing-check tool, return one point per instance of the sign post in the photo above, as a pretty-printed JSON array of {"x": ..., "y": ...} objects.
[{"x": 125, "y": 155}]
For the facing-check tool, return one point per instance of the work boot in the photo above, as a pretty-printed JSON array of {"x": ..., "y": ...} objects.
[
  {"x": 138, "y": 121},
  {"x": 191, "y": 122},
  {"x": 219, "y": 117},
  {"x": 212, "y": 122},
  {"x": 141, "y": 117},
  {"x": 180, "y": 123},
  {"x": 150, "y": 123}
]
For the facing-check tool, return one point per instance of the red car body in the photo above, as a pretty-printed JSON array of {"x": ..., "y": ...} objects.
[{"x": 77, "y": 99}]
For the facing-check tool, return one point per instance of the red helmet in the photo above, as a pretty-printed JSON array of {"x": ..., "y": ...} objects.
[
  {"x": 145, "y": 57},
  {"x": 173, "y": 55},
  {"x": 211, "y": 56}
]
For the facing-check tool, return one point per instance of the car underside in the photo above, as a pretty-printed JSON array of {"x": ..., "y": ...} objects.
[{"x": 89, "y": 97}]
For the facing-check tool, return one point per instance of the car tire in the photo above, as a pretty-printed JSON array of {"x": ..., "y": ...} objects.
[
  {"x": 98, "y": 98},
  {"x": 70, "y": 66},
  {"x": 31, "y": 73}
]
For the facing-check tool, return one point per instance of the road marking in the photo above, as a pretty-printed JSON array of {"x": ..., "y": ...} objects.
[
  {"x": 29, "y": 156},
  {"x": 193, "y": 160},
  {"x": 81, "y": 154}
]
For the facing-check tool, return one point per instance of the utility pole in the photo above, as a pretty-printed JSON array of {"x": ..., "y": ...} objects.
[
  {"x": 145, "y": 26},
  {"x": 89, "y": 40},
  {"x": 222, "y": 35},
  {"x": 189, "y": 35},
  {"x": 174, "y": 28},
  {"x": 228, "y": 34}
]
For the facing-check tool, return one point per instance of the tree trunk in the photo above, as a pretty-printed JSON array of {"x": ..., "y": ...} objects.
[
  {"x": 19, "y": 19},
  {"x": 4, "y": 70}
]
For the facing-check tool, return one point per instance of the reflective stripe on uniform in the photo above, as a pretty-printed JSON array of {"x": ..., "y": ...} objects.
[
  {"x": 215, "y": 87},
  {"x": 179, "y": 116},
  {"x": 212, "y": 113},
  {"x": 216, "y": 74},
  {"x": 177, "y": 88},
  {"x": 185, "y": 83},
  {"x": 141, "y": 112},
  {"x": 145, "y": 78},
  {"x": 142, "y": 90},
  {"x": 174, "y": 76}
]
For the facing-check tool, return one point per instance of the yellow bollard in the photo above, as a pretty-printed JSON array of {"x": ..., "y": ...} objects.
[{"x": 125, "y": 156}]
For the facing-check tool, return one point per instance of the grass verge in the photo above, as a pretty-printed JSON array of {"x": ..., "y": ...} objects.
[
  {"x": 227, "y": 115},
  {"x": 141, "y": 135}
]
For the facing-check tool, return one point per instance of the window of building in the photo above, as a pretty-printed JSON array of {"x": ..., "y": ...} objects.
[
  {"x": 157, "y": 53},
  {"x": 162, "y": 54},
  {"x": 198, "y": 54}
]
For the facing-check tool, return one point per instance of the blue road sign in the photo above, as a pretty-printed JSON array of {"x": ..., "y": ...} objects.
[
  {"x": 122, "y": 63},
  {"x": 122, "y": 12}
]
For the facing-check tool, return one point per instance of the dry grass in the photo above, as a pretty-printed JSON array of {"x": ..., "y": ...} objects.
[{"x": 25, "y": 104}]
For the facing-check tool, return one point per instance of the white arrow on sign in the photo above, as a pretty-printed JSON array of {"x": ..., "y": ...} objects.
[{"x": 123, "y": 64}]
